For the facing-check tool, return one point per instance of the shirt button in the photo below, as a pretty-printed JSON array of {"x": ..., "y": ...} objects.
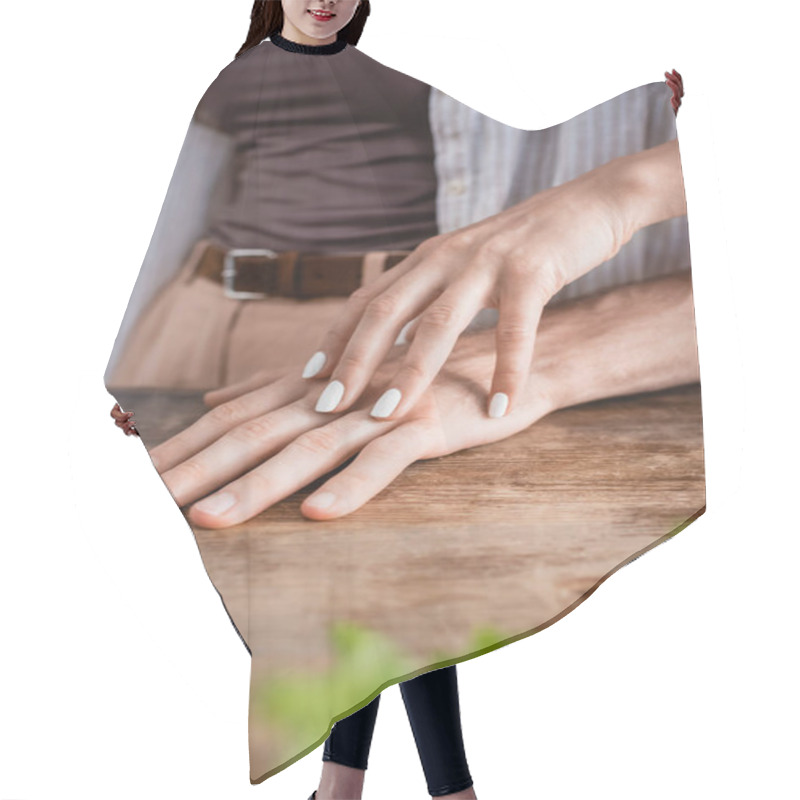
[{"x": 456, "y": 187}]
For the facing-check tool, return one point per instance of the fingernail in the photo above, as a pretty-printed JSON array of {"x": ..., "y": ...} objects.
[
  {"x": 499, "y": 405},
  {"x": 315, "y": 364},
  {"x": 321, "y": 500},
  {"x": 387, "y": 403},
  {"x": 402, "y": 337},
  {"x": 216, "y": 504},
  {"x": 331, "y": 397}
]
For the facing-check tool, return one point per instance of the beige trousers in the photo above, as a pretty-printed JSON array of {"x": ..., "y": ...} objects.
[{"x": 191, "y": 336}]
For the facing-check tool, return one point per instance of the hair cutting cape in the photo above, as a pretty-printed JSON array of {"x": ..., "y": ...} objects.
[{"x": 324, "y": 151}]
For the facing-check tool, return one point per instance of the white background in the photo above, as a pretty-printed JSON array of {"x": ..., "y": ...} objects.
[{"x": 121, "y": 674}]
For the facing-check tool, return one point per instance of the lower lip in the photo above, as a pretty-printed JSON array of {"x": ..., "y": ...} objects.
[{"x": 326, "y": 18}]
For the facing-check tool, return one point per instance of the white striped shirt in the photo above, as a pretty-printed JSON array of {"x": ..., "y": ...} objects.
[{"x": 484, "y": 166}]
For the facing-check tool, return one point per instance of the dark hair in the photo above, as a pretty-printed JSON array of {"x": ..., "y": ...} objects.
[{"x": 266, "y": 19}]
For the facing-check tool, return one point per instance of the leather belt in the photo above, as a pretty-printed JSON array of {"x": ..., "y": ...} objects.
[{"x": 252, "y": 274}]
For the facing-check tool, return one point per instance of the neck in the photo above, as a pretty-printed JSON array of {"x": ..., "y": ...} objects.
[{"x": 318, "y": 49}]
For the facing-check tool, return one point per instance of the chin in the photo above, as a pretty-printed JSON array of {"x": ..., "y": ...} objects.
[{"x": 319, "y": 38}]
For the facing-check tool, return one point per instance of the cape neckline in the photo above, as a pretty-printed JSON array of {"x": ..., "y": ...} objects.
[{"x": 308, "y": 49}]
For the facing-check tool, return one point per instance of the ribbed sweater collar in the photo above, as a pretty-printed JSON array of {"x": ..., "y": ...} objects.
[{"x": 308, "y": 49}]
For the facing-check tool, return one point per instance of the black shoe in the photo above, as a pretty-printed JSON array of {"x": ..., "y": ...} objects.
[{"x": 313, "y": 795}]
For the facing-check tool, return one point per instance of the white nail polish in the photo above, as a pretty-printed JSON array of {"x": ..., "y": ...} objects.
[
  {"x": 217, "y": 504},
  {"x": 331, "y": 397},
  {"x": 387, "y": 403},
  {"x": 315, "y": 364},
  {"x": 499, "y": 405}
]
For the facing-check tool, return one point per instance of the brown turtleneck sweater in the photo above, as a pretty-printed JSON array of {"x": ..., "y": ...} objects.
[{"x": 333, "y": 151}]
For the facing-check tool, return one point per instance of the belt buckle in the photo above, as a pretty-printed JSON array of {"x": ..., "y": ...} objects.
[{"x": 229, "y": 272}]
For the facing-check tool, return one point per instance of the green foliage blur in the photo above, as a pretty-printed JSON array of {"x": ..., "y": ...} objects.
[{"x": 302, "y": 707}]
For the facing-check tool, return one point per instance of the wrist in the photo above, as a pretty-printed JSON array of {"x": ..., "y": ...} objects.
[
  {"x": 634, "y": 338},
  {"x": 643, "y": 188}
]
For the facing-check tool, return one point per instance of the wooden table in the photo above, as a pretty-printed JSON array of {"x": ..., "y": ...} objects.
[{"x": 458, "y": 556}]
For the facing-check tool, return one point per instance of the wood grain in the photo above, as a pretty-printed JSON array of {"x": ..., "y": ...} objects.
[{"x": 511, "y": 535}]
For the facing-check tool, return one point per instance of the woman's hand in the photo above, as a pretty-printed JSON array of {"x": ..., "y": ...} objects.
[
  {"x": 265, "y": 441},
  {"x": 261, "y": 446},
  {"x": 675, "y": 82},
  {"x": 124, "y": 420},
  {"x": 514, "y": 261}
]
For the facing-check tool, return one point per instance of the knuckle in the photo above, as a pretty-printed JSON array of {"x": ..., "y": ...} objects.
[
  {"x": 440, "y": 315},
  {"x": 349, "y": 365},
  {"x": 538, "y": 282},
  {"x": 225, "y": 415},
  {"x": 476, "y": 234},
  {"x": 429, "y": 245},
  {"x": 518, "y": 265},
  {"x": 413, "y": 372},
  {"x": 456, "y": 243},
  {"x": 335, "y": 341},
  {"x": 492, "y": 248},
  {"x": 193, "y": 471},
  {"x": 358, "y": 482},
  {"x": 257, "y": 429},
  {"x": 256, "y": 486},
  {"x": 512, "y": 331},
  {"x": 549, "y": 280},
  {"x": 360, "y": 297},
  {"x": 510, "y": 374},
  {"x": 318, "y": 440},
  {"x": 383, "y": 307}
]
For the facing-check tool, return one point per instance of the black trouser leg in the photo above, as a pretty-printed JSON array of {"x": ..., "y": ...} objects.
[
  {"x": 433, "y": 711},
  {"x": 351, "y": 737},
  {"x": 432, "y": 706}
]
